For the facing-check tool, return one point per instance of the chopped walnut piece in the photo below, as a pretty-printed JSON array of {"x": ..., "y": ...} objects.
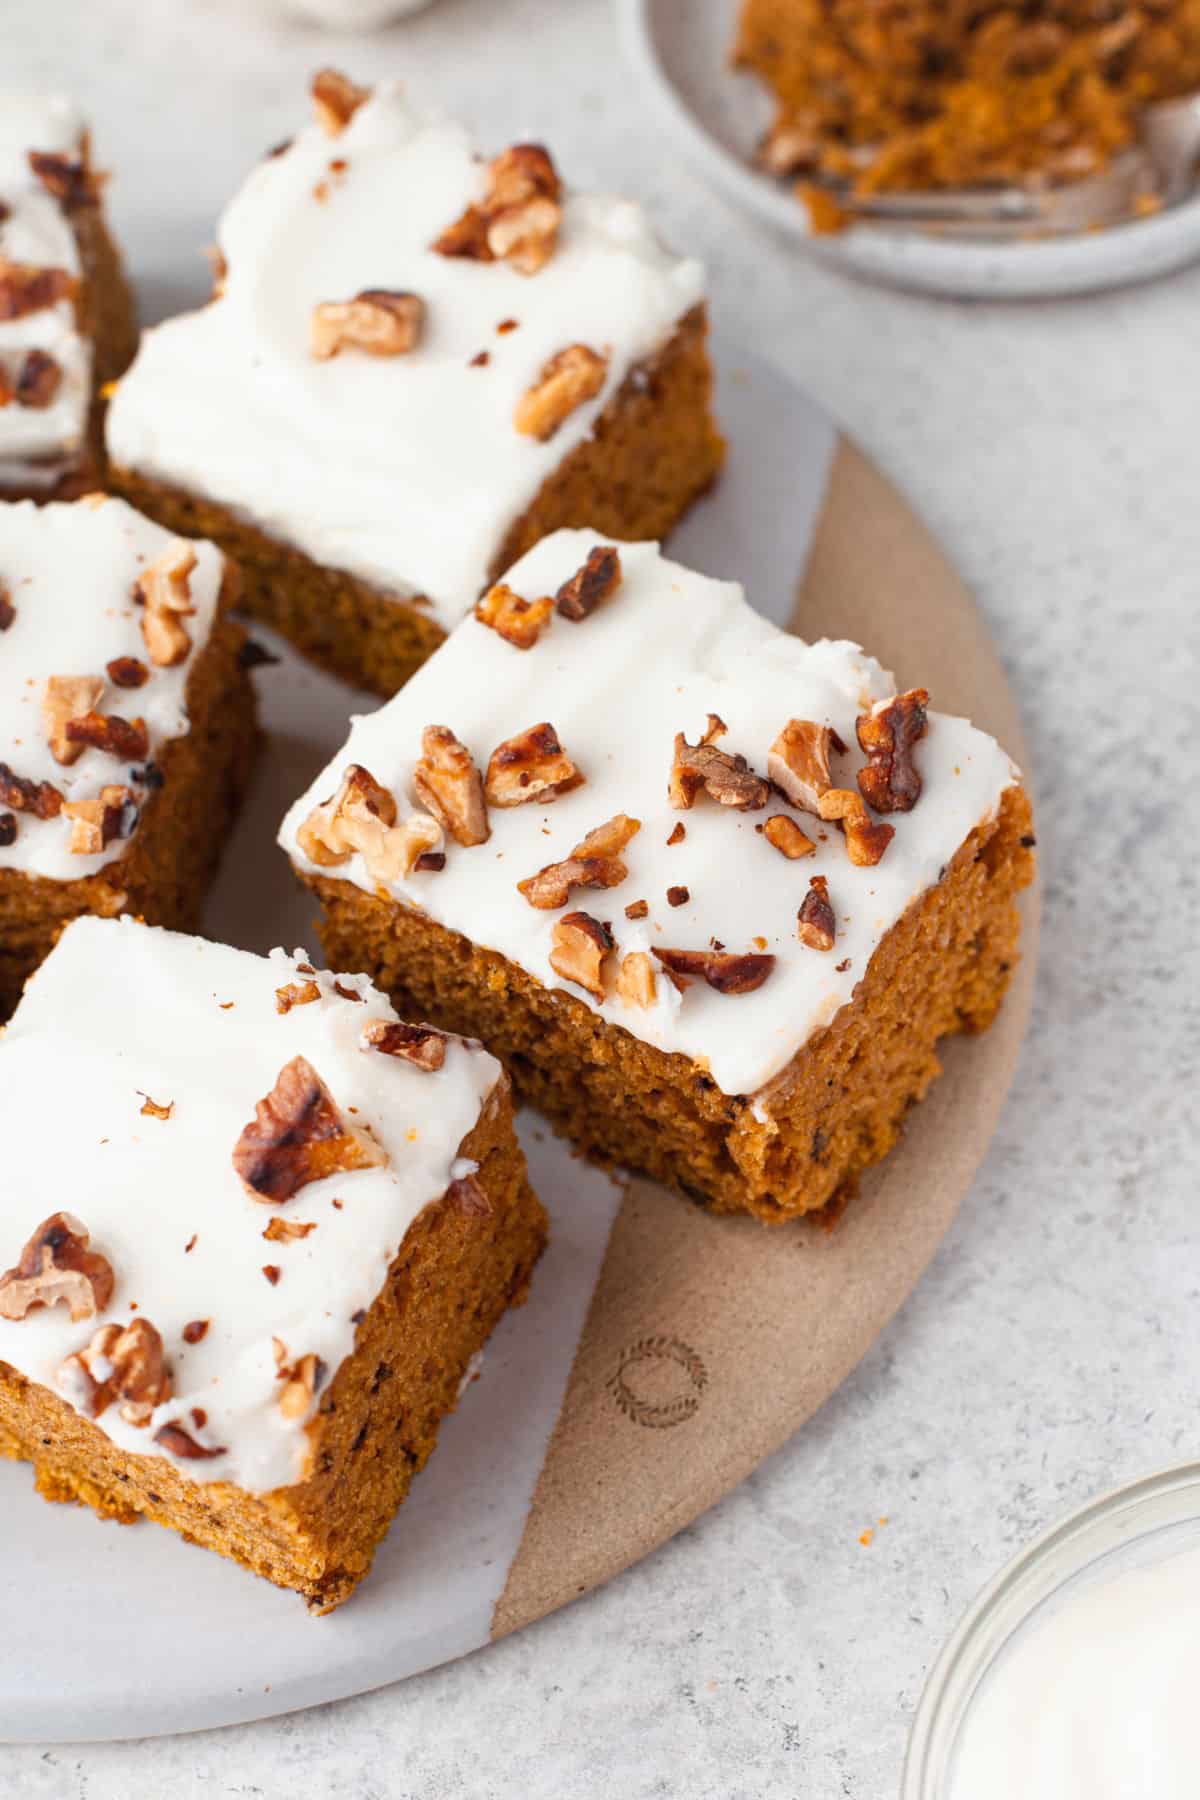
[
  {"x": 581, "y": 946},
  {"x": 866, "y": 838},
  {"x": 786, "y": 837},
  {"x": 678, "y": 895},
  {"x": 361, "y": 817},
  {"x": 637, "y": 909},
  {"x": 298, "y": 1135},
  {"x": 888, "y": 735},
  {"x": 26, "y": 289},
  {"x": 637, "y": 984},
  {"x": 531, "y": 766},
  {"x": 152, "y": 1109},
  {"x": 8, "y": 830},
  {"x": 446, "y": 781},
  {"x": 122, "y": 1363},
  {"x": 127, "y": 672},
  {"x": 8, "y": 612},
  {"x": 68, "y": 697},
  {"x": 180, "y": 1442},
  {"x": 164, "y": 589},
  {"x": 594, "y": 862},
  {"x": 336, "y": 99},
  {"x": 377, "y": 321},
  {"x": 724, "y": 971},
  {"x": 41, "y": 798},
  {"x": 39, "y": 378},
  {"x": 195, "y": 1331},
  {"x": 95, "y": 823},
  {"x": 302, "y": 1380},
  {"x": 126, "y": 739},
  {"x": 55, "y": 1265},
  {"x": 296, "y": 993},
  {"x": 678, "y": 833},
  {"x": 727, "y": 779},
  {"x": 816, "y": 925},
  {"x": 283, "y": 1231},
  {"x": 419, "y": 1044},
  {"x": 798, "y": 762},
  {"x": 571, "y": 378},
  {"x": 518, "y": 218},
  {"x": 519, "y": 622},
  {"x": 599, "y": 577}
]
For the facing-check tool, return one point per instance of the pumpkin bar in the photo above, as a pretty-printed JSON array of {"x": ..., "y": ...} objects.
[
  {"x": 415, "y": 364},
  {"x": 127, "y": 722},
  {"x": 713, "y": 893},
  {"x": 293, "y": 1221},
  {"x": 67, "y": 323}
]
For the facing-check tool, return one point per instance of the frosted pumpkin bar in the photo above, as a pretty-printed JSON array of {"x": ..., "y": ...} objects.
[
  {"x": 713, "y": 893},
  {"x": 127, "y": 723},
  {"x": 294, "y": 1222},
  {"x": 415, "y": 364},
  {"x": 66, "y": 316}
]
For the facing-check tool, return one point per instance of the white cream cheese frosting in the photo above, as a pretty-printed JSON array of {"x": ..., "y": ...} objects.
[
  {"x": 38, "y": 443},
  {"x": 120, "y": 1012},
  {"x": 406, "y": 471},
  {"x": 669, "y": 647},
  {"x": 68, "y": 571}
]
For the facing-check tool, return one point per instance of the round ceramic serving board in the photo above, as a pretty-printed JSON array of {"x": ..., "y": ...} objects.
[
  {"x": 718, "y": 116},
  {"x": 662, "y": 1353}
]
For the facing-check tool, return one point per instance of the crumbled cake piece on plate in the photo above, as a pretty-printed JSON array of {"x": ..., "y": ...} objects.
[
  {"x": 67, "y": 323},
  {"x": 416, "y": 363},
  {"x": 276, "y": 1226},
  {"x": 127, "y": 722},
  {"x": 712, "y": 892}
]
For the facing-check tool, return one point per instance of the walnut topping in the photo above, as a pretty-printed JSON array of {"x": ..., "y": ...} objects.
[
  {"x": 8, "y": 612},
  {"x": 637, "y": 909},
  {"x": 126, "y": 739},
  {"x": 26, "y": 289},
  {"x": 446, "y": 781},
  {"x": 55, "y": 1265},
  {"x": 41, "y": 798},
  {"x": 866, "y": 838},
  {"x": 419, "y": 1044},
  {"x": 786, "y": 836},
  {"x": 127, "y": 672},
  {"x": 727, "y": 973},
  {"x": 678, "y": 833},
  {"x": 377, "y": 321},
  {"x": 296, "y": 993},
  {"x": 572, "y": 377},
  {"x": 122, "y": 1363},
  {"x": 727, "y": 779},
  {"x": 817, "y": 926},
  {"x": 65, "y": 178},
  {"x": 302, "y": 1380},
  {"x": 594, "y": 862},
  {"x": 518, "y": 218},
  {"x": 152, "y": 1109},
  {"x": 888, "y": 735},
  {"x": 180, "y": 1442},
  {"x": 95, "y": 823},
  {"x": 581, "y": 948},
  {"x": 599, "y": 577},
  {"x": 361, "y": 817},
  {"x": 298, "y": 1135},
  {"x": 272, "y": 1272},
  {"x": 39, "y": 378},
  {"x": 285, "y": 1231},
  {"x": 798, "y": 762},
  {"x": 68, "y": 697},
  {"x": 531, "y": 766},
  {"x": 518, "y": 621},
  {"x": 637, "y": 984},
  {"x": 8, "y": 830},
  {"x": 195, "y": 1331},
  {"x": 164, "y": 589},
  {"x": 336, "y": 99}
]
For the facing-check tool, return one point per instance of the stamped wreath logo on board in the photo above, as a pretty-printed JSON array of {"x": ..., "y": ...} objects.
[{"x": 658, "y": 1382}]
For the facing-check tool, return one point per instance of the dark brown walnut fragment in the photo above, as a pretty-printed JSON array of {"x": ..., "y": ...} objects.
[
  {"x": 56, "y": 1265},
  {"x": 153, "y": 1109},
  {"x": 570, "y": 379},
  {"x": 580, "y": 949},
  {"x": 362, "y": 817},
  {"x": 39, "y": 378},
  {"x": 530, "y": 766},
  {"x": 95, "y": 824},
  {"x": 123, "y": 1364},
  {"x": 41, "y": 798},
  {"x": 298, "y": 1135},
  {"x": 594, "y": 862},
  {"x": 518, "y": 218},
  {"x": 519, "y": 622},
  {"x": 888, "y": 736},
  {"x": 65, "y": 699},
  {"x": 335, "y": 99},
  {"x": 65, "y": 178},
  {"x": 126, "y": 739},
  {"x": 418, "y": 1044},
  {"x": 446, "y": 781},
  {"x": 279, "y": 1230},
  {"x": 725, "y": 971},
  {"x": 798, "y": 762},
  {"x": 378, "y": 321},
  {"x": 598, "y": 577},
  {"x": 816, "y": 925},
  {"x": 637, "y": 984},
  {"x": 866, "y": 838},
  {"x": 728, "y": 779},
  {"x": 784, "y": 835},
  {"x": 127, "y": 672},
  {"x": 296, "y": 993},
  {"x": 25, "y": 289},
  {"x": 179, "y": 1441},
  {"x": 8, "y": 612},
  {"x": 164, "y": 590}
]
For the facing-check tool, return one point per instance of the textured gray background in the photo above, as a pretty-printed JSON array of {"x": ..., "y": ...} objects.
[{"x": 1051, "y": 1350}]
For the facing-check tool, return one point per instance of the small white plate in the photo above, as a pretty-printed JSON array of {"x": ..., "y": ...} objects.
[{"x": 681, "y": 54}]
